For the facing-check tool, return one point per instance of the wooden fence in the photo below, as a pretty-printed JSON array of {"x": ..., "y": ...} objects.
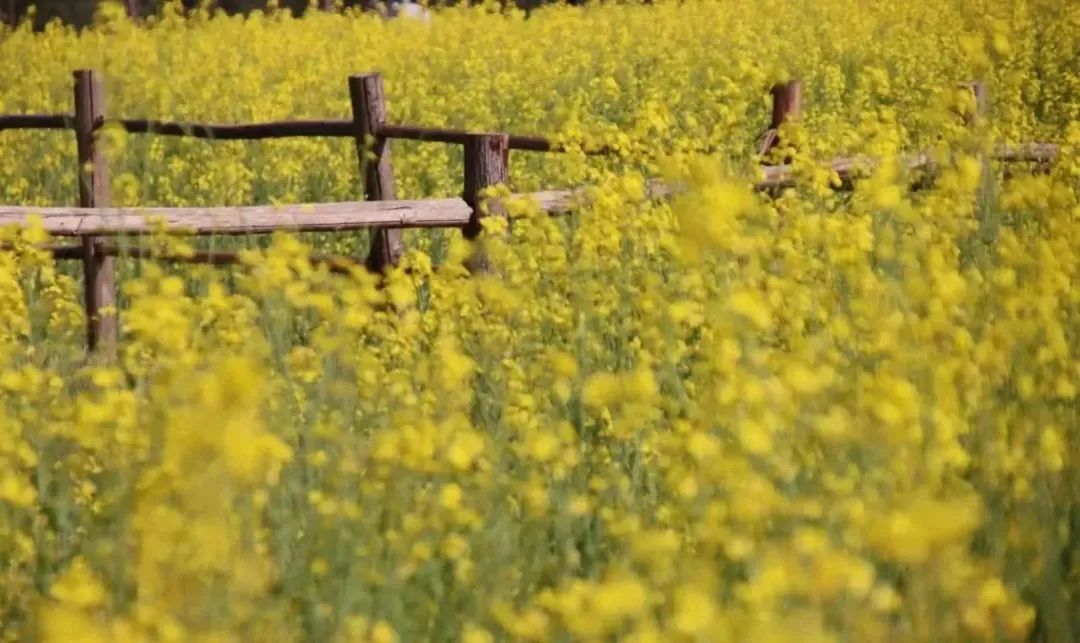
[{"x": 486, "y": 163}]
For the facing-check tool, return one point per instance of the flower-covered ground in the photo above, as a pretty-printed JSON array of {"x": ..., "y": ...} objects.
[{"x": 812, "y": 416}]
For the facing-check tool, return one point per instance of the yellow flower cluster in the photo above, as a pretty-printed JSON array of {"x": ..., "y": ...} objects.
[{"x": 812, "y": 415}]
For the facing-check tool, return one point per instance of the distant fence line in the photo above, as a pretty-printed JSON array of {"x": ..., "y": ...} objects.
[
  {"x": 322, "y": 128},
  {"x": 486, "y": 164}
]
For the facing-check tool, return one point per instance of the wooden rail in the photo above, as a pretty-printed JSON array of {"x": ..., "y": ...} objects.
[
  {"x": 334, "y": 263},
  {"x": 36, "y": 121},
  {"x": 849, "y": 169},
  {"x": 460, "y": 137},
  {"x": 422, "y": 213},
  {"x": 354, "y": 215},
  {"x": 486, "y": 164},
  {"x": 313, "y": 128},
  {"x": 245, "y": 132}
]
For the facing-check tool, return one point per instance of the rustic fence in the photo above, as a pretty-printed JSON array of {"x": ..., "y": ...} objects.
[{"x": 486, "y": 164}]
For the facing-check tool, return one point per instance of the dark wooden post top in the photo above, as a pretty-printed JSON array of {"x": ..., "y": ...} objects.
[
  {"x": 369, "y": 115},
  {"x": 786, "y": 105},
  {"x": 487, "y": 164},
  {"x": 99, "y": 271}
]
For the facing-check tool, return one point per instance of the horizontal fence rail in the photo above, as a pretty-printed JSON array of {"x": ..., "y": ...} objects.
[
  {"x": 421, "y": 213},
  {"x": 245, "y": 132},
  {"x": 333, "y": 263},
  {"x": 486, "y": 164},
  {"x": 311, "y": 128},
  {"x": 849, "y": 169},
  {"x": 354, "y": 215},
  {"x": 36, "y": 121},
  {"x": 459, "y": 136}
]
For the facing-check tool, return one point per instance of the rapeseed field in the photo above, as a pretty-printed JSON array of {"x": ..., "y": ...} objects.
[{"x": 730, "y": 416}]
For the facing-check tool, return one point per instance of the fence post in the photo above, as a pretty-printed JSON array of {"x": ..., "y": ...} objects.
[
  {"x": 487, "y": 163},
  {"x": 99, "y": 271},
  {"x": 786, "y": 105},
  {"x": 369, "y": 114}
]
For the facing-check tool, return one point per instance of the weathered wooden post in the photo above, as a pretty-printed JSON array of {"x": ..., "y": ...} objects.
[
  {"x": 326, "y": 5},
  {"x": 369, "y": 114},
  {"x": 786, "y": 105},
  {"x": 487, "y": 163},
  {"x": 99, "y": 271}
]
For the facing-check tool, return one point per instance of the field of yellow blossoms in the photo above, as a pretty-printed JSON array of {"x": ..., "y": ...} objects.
[{"x": 813, "y": 416}]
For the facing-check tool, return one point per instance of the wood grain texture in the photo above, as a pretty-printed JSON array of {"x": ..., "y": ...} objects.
[
  {"x": 786, "y": 102},
  {"x": 93, "y": 167},
  {"x": 786, "y": 105},
  {"x": 377, "y": 172},
  {"x": 350, "y": 215},
  {"x": 487, "y": 164},
  {"x": 99, "y": 271}
]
